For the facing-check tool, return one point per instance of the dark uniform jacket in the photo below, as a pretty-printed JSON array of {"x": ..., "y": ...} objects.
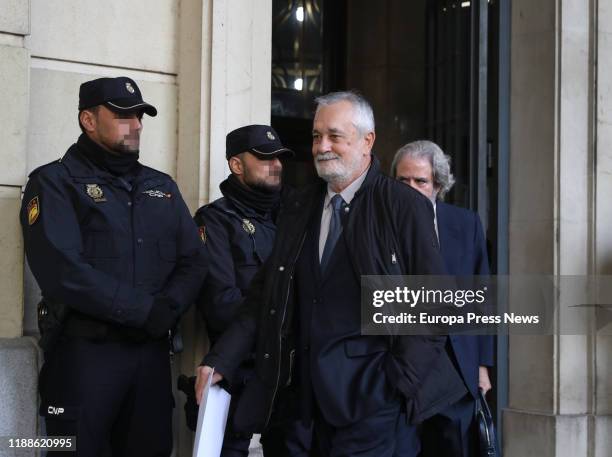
[
  {"x": 105, "y": 245},
  {"x": 389, "y": 230},
  {"x": 239, "y": 240}
]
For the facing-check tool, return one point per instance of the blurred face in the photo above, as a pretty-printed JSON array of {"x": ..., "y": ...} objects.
[
  {"x": 257, "y": 173},
  {"x": 117, "y": 133},
  {"x": 341, "y": 154},
  {"x": 418, "y": 174}
]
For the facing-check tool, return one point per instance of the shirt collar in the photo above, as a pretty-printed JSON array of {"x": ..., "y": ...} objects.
[{"x": 349, "y": 192}]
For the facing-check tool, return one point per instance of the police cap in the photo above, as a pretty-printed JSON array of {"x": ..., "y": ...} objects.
[
  {"x": 260, "y": 140},
  {"x": 120, "y": 95}
]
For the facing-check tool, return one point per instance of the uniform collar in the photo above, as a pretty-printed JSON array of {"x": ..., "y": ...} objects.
[
  {"x": 246, "y": 210},
  {"x": 82, "y": 169},
  {"x": 250, "y": 202},
  {"x": 80, "y": 166}
]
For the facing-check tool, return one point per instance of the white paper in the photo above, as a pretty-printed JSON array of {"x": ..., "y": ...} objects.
[{"x": 212, "y": 418}]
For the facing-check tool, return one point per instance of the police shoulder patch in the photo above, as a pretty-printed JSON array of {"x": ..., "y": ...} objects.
[
  {"x": 33, "y": 210},
  {"x": 202, "y": 231}
]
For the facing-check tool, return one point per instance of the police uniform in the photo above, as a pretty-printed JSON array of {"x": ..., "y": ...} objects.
[
  {"x": 111, "y": 254},
  {"x": 239, "y": 238}
]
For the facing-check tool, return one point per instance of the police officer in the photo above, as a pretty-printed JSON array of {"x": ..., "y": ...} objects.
[
  {"x": 239, "y": 230},
  {"x": 118, "y": 259}
]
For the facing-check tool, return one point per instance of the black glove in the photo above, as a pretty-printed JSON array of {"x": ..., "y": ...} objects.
[
  {"x": 187, "y": 385},
  {"x": 162, "y": 317}
]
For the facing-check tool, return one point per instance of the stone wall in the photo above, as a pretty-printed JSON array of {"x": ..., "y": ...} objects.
[
  {"x": 14, "y": 90},
  {"x": 204, "y": 65}
]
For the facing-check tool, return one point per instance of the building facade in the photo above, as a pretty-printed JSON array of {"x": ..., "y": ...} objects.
[{"x": 206, "y": 66}]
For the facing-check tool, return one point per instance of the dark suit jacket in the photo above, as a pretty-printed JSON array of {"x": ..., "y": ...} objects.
[{"x": 463, "y": 248}]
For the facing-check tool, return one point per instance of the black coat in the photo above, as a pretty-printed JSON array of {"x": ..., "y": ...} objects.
[
  {"x": 389, "y": 231},
  {"x": 239, "y": 240},
  {"x": 104, "y": 246}
]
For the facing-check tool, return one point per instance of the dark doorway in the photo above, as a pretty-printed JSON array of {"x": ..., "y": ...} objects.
[{"x": 308, "y": 45}]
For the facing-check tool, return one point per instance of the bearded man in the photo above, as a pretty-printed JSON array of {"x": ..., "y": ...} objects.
[{"x": 303, "y": 310}]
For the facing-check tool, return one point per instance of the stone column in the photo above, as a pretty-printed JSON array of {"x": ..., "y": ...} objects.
[
  {"x": 18, "y": 356},
  {"x": 559, "y": 387},
  {"x": 14, "y": 91},
  {"x": 602, "y": 207}
]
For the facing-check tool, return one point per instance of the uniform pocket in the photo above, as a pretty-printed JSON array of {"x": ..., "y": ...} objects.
[
  {"x": 244, "y": 256},
  {"x": 166, "y": 262},
  {"x": 100, "y": 245}
]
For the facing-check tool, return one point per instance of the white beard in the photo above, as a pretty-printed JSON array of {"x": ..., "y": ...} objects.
[{"x": 333, "y": 171}]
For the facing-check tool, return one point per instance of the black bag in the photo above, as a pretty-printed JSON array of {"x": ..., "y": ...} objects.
[{"x": 486, "y": 429}]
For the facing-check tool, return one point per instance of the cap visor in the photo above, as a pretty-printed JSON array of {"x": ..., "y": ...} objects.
[
  {"x": 271, "y": 151},
  {"x": 120, "y": 106}
]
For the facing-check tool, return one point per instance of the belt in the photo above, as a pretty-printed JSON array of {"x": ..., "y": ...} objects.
[{"x": 82, "y": 326}]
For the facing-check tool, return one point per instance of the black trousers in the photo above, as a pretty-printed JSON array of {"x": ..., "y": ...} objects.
[
  {"x": 450, "y": 433},
  {"x": 116, "y": 398}
]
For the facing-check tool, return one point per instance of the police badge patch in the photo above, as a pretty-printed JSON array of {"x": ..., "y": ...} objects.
[
  {"x": 33, "y": 210},
  {"x": 95, "y": 192},
  {"x": 157, "y": 193},
  {"x": 202, "y": 231},
  {"x": 248, "y": 226}
]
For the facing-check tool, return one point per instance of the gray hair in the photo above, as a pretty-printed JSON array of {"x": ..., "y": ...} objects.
[
  {"x": 440, "y": 163},
  {"x": 363, "y": 116}
]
